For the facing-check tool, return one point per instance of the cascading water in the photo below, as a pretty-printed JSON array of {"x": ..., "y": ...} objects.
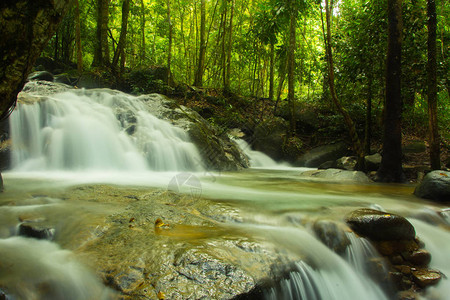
[
  {"x": 323, "y": 274},
  {"x": 97, "y": 130},
  {"x": 257, "y": 159}
]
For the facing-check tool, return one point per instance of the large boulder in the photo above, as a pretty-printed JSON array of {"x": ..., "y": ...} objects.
[
  {"x": 171, "y": 245},
  {"x": 378, "y": 225},
  {"x": 336, "y": 175},
  {"x": 315, "y": 157},
  {"x": 435, "y": 186}
]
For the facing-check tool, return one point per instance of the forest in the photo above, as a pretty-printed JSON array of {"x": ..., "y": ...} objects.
[
  {"x": 275, "y": 55},
  {"x": 242, "y": 63}
]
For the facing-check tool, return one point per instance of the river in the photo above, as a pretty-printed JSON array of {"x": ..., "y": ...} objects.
[{"x": 54, "y": 183}]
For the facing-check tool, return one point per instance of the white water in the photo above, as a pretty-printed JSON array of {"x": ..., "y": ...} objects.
[
  {"x": 437, "y": 242},
  {"x": 35, "y": 269},
  {"x": 323, "y": 274},
  {"x": 258, "y": 159},
  {"x": 80, "y": 130}
]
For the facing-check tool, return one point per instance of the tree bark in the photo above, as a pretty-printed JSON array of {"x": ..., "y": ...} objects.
[
  {"x": 25, "y": 28},
  {"x": 432, "y": 87},
  {"x": 391, "y": 163},
  {"x": 198, "y": 80},
  {"x": 78, "y": 37},
  {"x": 142, "y": 52},
  {"x": 101, "y": 51},
  {"x": 120, "y": 50}
]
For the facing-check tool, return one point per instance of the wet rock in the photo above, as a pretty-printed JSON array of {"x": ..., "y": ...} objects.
[
  {"x": 337, "y": 175},
  {"x": 380, "y": 226},
  {"x": 193, "y": 257},
  {"x": 37, "y": 231},
  {"x": 327, "y": 165},
  {"x": 346, "y": 163},
  {"x": 315, "y": 157},
  {"x": 419, "y": 257},
  {"x": 435, "y": 186},
  {"x": 373, "y": 162},
  {"x": 395, "y": 247},
  {"x": 41, "y": 75},
  {"x": 331, "y": 235},
  {"x": 425, "y": 277}
]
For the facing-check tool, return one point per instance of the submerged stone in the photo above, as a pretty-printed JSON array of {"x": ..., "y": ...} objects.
[{"x": 380, "y": 226}]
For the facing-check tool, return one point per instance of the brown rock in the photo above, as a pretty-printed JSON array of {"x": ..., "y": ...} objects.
[
  {"x": 403, "y": 269},
  {"x": 390, "y": 248},
  {"x": 419, "y": 257},
  {"x": 380, "y": 226},
  {"x": 426, "y": 277},
  {"x": 396, "y": 259}
]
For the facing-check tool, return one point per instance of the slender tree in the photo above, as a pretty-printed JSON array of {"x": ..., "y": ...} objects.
[
  {"x": 391, "y": 163},
  {"x": 169, "y": 50},
  {"x": 142, "y": 52},
  {"x": 432, "y": 87},
  {"x": 347, "y": 118},
  {"x": 120, "y": 50},
  {"x": 291, "y": 67},
  {"x": 78, "y": 37},
  {"x": 229, "y": 48},
  {"x": 198, "y": 80}
]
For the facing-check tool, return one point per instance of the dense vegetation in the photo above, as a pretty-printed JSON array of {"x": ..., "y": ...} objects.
[{"x": 274, "y": 54}]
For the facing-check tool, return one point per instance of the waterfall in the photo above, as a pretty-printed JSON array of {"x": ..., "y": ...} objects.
[
  {"x": 322, "y": 275},
  {"x": 97, "y": 130},
  {"x": 35, "y": 269},
  {"x": 257, "y": 159},
  {"x": 437, "y": 242}
]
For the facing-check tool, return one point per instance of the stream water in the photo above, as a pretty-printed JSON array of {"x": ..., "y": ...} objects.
[{"x": 76, "y": 140}]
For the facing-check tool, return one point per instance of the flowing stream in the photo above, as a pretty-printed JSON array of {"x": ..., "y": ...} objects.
[{"x": 102, "y": 137}]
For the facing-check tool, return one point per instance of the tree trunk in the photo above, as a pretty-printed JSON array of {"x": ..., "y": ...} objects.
[
  {"x": 432, "y": 88},
  {"x": 101, "y": 51},
  {"x": 229, "y": 47},
  {"x": 356, "y": 143},
  {"x": 169, "y": 54},
  {"x": 142, "y": 52},
  {"x": 78, "y": 37},
  {"x": 368, "y": 125},
  {"x": 120, "y": 50},
  {"x": 104, "y": 29},
  {"x": 391, "y": 163},
  {"x": 271, "y": 70},
  {"x": 25, "y": 28},
  {"x": 291, "y": 68},
  {"x": 198, "y": 80}
]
